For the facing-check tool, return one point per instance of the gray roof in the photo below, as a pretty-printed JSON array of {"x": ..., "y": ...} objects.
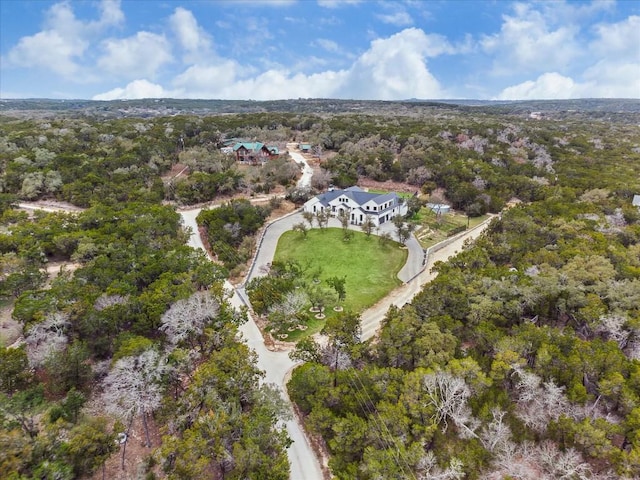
[
  {"x": 636, "y": 201},
  {"x": 357, "y": 195}
]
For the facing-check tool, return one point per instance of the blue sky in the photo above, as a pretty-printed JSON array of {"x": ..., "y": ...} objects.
[{"x": 278, "y": 49}]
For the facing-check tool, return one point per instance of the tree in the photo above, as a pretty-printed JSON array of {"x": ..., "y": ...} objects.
[
  {"x": 309, "y": 217},
  {"x": 344, "y": 332},
  {"x": 46, "y": 338},
  {"x": 338, "y": 284},
  {"x": 285, "y": 314},
  {"x": 343, "y": 217},
  {"x": 68, "y": 368},
  {"x": 448, "y": 394},
  {"x": 318, "y": 297},
  {"x": 368, "y": 225},
  {"x": 302, "y": 228},
  {"x": 306, "y": 350},
  {"x": 185, "y": 321},
  {"x": 403, "y": 230},
  {"x": 90, "y": 444},
  {"x": 14, "y": 369},
  {"x": 322, "y": 217},
  {"x": 133, "y": 387}
]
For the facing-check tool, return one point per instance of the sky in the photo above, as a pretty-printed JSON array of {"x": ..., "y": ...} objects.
[{"x": 349, "y": 49}]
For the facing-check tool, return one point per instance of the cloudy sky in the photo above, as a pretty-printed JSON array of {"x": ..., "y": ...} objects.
[{"x": 359, "y": 49}]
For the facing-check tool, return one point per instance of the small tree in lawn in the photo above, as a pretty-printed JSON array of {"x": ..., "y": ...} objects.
[
  {"x": 316, "y": 273},
  {"x": 343, "y": 216},
  {"x": 285, "y": 314},
  {"x": 322, "y": 217},
  {"x": 302, "y": 228},
  {"x": 309, "y": 217},
  {"x": 368, "y": 225},
  {"x": 318, "y": 298},
  {"x": 384, "y": 238},
  {"x": 338, "y": 284}
]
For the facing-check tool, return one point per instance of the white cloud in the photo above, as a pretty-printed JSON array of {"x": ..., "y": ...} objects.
[
  {"x": 140, "y": 55},
  {"x": 135, "y": 90},
  {"x": 328, "y": 45},
  {"x": 191, "y": 36},
  {"x": 616, "y": 39},
  {"x": 546, "y": 86},
  {"x": 392, "y": 68},
  {"x": 50, "y": 50},
  {"x": 613, "y": 79},
  {"x": 613, "y": 70},
  {"x": 62, "y": 44},
  {"x": 337, "y": 3},
  {"x": 527, "y": 43},
  {"x": 203, "y": 80},
  {"x": 111, "y": 13},
  {"x": 399, "y": 19}
]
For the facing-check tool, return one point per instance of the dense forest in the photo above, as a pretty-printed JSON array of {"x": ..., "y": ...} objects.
[{"x": 521, "y": 360}]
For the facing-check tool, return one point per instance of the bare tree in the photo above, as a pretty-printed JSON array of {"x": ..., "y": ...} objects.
[
  {"x": 321, "y": 179},
  {"x": 106, "y": 301},
  {"x": 448, "y": 394},
  {"x": 287, "y": 310},
  {"x": 428, "y": 469},
  {"x": 343, "y": 216},
  {"x": 538, "y": 401},
  {"x": 563, "y": 465},
  {"x": 186, "y": 319},
  {"x": 611, "y": 327},
  {"x": 133, "y": 388},
  {"x": 309, "y": 217},
  {"x": 302, "y": 228},
  {"x": 368, "y": 225},
  {"x": 496, "y": 436},
  {"x": 322, "y": 217},
  {"x": 46, "y": 338}
]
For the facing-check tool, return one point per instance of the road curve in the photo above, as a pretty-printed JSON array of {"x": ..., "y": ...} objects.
[
  {"x": 276, "y": 366},
  {"x": 371, "y": 319}
]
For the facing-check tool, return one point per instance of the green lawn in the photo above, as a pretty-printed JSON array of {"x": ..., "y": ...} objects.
[{"x": 370, "y": 268}]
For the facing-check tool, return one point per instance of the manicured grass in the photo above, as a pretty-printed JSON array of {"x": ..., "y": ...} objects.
[
  {"x": 371, "y": 268},
  {"x": 400, "y": 194}
]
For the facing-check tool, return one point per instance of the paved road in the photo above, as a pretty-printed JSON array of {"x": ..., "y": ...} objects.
[
  {"x": 373, "y": 316},
  {"x": 276, "y": 365},
  {"x": 269, "y": 242}
]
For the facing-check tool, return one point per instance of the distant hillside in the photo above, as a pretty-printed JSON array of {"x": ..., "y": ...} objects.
[{"x": 625, "y": 110}]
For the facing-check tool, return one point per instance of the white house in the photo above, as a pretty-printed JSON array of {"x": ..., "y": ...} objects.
[
  {"x": 380, "y": 207},
  {"x": 636, "y": 201}
]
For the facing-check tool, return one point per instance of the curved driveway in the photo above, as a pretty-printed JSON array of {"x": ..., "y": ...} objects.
[
  {"x": 272, "y": 233},
  {"x": 276, "y": 365}
]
